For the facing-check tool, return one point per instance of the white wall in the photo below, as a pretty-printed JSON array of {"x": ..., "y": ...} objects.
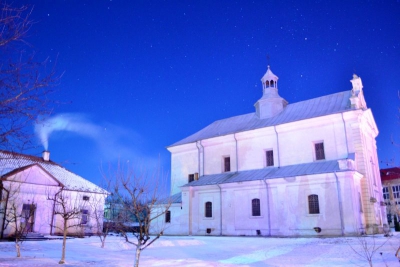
[
  {"x": 34, "y": 186},
  {"x": 287, "y": 213},
  {"x": 292, "y": 143}
]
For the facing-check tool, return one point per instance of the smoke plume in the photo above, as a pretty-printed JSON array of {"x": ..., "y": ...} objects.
[{"x": 75, "y": 123}]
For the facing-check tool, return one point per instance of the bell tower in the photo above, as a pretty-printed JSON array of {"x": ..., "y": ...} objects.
[{"x": 270, "y": 104}]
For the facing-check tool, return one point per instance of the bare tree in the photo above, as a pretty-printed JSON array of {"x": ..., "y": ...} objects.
[
  {"x": 367, "y": 247},
  {"x": 24, "y": 82},
  {"x": 69, "y": 207},
  {"x": 17, "y": 215},
  {"x": 138, "y": 201},
  {"x": 102, "y": 227}
]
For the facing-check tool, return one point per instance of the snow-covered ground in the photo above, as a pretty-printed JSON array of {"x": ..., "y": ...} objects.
[{"x": 201, "y": 251}]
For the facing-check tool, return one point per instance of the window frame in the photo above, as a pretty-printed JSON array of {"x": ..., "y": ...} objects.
[
  {"x": 385, "y": 193},
  {"x": 208, "y": 209},
  {"x": 319, "y": 150},
  {"x": 84, "y": 217},
  {"x": 255, "y": 207},
  {"x": 269, "y": 158},
  {"x": 190, "y": 177},
  {"x": 226, "y": 164},
  {"x": 396, "y": 191},
  {"x": 313, "y": 204},
  {"x": 168, "y": 216}
]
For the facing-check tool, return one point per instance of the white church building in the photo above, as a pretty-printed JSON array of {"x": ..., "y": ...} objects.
[{"x": 307, "y": 168}]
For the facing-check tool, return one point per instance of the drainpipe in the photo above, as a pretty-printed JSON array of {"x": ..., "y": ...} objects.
[
  {"x": 340, "y": 204},
  {"x": 202, "y": 167},
  {"x": 5, "y": 208},
  {"x": 220, "y": 208},
  {"x": 54, "y": 208},
  {"x": 277, "y": 148},
  {"x": 198, "y": 164},
  {"x": 269, "y": 213},
  {"x": 345, "y": 133},
  {"x": 237, "y": 159}
]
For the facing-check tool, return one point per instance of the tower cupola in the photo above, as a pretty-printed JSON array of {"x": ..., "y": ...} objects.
[
  {"x": 270, "y": 104},
  {"x": 269, "y": 79}
]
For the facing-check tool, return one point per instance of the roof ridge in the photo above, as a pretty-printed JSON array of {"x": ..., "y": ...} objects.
[
  {"x": 71, "y": 180},
  {"x": 302, "y": 110},
  {"x": 27, "y": 156}
]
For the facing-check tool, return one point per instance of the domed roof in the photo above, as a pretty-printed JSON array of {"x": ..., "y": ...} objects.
[{"x": 269, "y": 76}]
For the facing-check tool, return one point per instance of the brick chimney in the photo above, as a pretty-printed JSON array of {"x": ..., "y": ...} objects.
[{"x": 46, "y": 155}]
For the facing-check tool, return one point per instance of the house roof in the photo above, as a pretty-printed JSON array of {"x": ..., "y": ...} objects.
[
  {"x": 11, "y": 163},
  {"x": 390, "y": 174},
  {"x": 318, "y": 167},
  {"x": 320, "y": 106}
]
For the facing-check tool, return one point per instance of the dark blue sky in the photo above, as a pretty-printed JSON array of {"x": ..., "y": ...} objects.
[{"x": 141, "y": 75}]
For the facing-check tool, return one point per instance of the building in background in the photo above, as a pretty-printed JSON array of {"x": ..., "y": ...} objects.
[
  {"x": 307, "y": 168},
  {"x": 391, "y": 193},
  {"x": 28, "y": 184}
]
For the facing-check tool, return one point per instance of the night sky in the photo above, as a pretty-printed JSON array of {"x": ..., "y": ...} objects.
[{"x": 141, "y": 75}]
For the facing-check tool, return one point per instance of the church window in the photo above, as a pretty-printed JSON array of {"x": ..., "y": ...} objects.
[
  {"x": 272, "y": 83},
  {"x": 269, "y": 154},
  {"x": 385, "y": 193},
  {"x": 319, "y": 151},
  {"x": 313, "y": 204},
  {"x": 227, "y": 164},
  {"x": 208, "y": 209},
  {"x": 267, "y": 83},
  {"x": 168, "y": 216},
  {"x": 255, "y": 207},
  {"x": 190, "y": 178},
  {"x": 396, "y": 191}
]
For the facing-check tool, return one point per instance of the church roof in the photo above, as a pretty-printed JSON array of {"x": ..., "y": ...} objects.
[
  {"x": 177, "y": 198},
  {"x": 11, "y": 163},
  {"x": 318, "y": 167},
  {"x": 320, "y": 106}
]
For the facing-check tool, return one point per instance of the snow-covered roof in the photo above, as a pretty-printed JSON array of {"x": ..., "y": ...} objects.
[
  {"x": 320, "y": 106},
  {"x": 317, "y": 167},
  {"x": 177, "y": 198},
  {"x": 11, "y": 162}
]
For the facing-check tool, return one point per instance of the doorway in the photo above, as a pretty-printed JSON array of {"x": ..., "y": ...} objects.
[{"x": 28, "y": 217}]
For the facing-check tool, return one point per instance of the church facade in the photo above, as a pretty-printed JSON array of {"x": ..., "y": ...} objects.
[{"x": 307, "y": 168}]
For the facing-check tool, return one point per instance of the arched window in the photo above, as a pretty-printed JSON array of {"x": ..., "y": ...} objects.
[
  {"x": 267, "y": 83},
  {"x": 272, "y": 83},
  {"x": 255, "y": 207},
  {"x": 313, "y": 204},
  {"x": 208, "y": 209}
]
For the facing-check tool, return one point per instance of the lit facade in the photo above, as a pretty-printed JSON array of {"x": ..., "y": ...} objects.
[{"x": 308, "y": 168}]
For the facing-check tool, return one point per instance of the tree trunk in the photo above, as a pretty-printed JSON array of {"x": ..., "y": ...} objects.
[
  {"x": 137, "y": 256},
  {"x": 103, "y": 241},
  {"x": 62, "y": 261},
  {"x": 18, "y": 248}
]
